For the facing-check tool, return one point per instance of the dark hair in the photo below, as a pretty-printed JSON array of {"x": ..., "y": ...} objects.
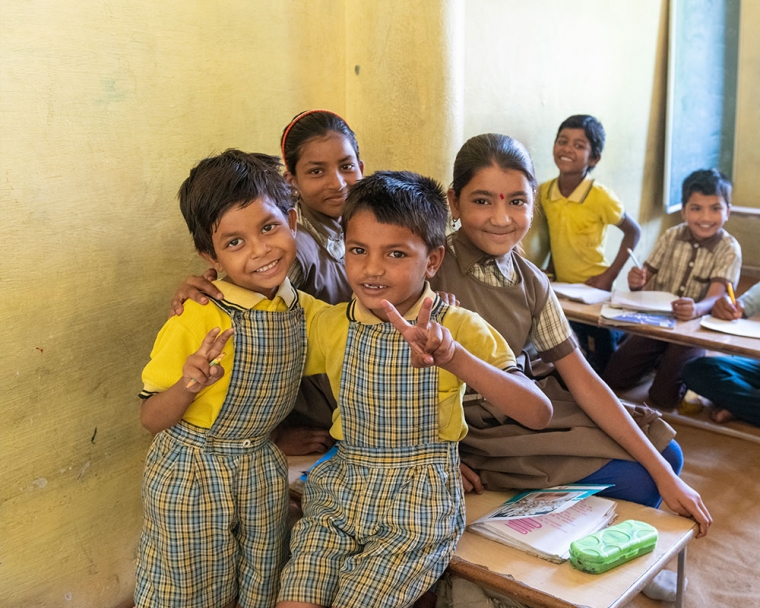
[
  {"x": 487, "y": 150},
  {"x": 401, "y": 198},
  {"x": 309, "y": 124},
  {"x": 591, "y": 127},
  {"x": 708, "y": 182},
  {"x": 221, "y": 182}
]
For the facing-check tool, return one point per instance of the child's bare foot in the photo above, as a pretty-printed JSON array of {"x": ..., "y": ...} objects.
[{"x": 721, "y": 416}]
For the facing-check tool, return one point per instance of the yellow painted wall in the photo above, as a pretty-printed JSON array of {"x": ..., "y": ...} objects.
[
  {"x": 746, "y": 151},
  {"x": 530, "y": 65},
  {"x": 104, "y": 107},
  {"x": 404, "y": 82}
]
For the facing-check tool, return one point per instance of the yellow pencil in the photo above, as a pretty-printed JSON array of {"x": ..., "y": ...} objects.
[
  {"x": 731, "y": 293},
  {"x": 212, "y": 363}
]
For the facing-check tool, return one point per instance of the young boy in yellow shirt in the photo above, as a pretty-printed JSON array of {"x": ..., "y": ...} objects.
[
  {"x": 215, "y": 487},
  {"x": 578, "y": 211},
  {"x": 382, "y": 517}
]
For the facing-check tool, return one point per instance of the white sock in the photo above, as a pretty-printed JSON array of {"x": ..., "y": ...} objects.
[{"x": 664, "y": 586}]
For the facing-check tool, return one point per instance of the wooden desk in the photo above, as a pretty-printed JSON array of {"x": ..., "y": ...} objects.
[
  {"x": 540, "y": 583},
  {"x": 686, "y": 333}
]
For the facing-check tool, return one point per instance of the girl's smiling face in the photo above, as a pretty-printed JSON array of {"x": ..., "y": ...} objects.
[
  {"x": 326, "y": 167},
  {"x": 495, "y": 208}
]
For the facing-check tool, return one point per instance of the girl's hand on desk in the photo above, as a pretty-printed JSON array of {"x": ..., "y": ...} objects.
[
  {"x": 637, "y": 278},
  {"x": 725, "y": 309},
  {"x": 684, "y": 500},
  {"x": 684, "y": 309}
]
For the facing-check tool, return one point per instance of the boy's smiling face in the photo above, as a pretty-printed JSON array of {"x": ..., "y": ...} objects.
[
  {"x": 705, "y": 214},
  {"x": 255, "y": 245},
  {"x": 572, "y": 152},
  {"x": 387, "y": 262}
]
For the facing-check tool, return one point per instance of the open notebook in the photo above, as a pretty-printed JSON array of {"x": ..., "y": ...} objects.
[
  {"x": 579, "y": 292},
  {"x": 748, "y": 328},
  {"x": 645, "y": 301}
]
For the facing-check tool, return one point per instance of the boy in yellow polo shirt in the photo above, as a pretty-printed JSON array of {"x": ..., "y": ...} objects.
[
  {"x": 215, "y": 488},
  {"x": 578, "y": 211},
  {"x": 383, "y": 516}
]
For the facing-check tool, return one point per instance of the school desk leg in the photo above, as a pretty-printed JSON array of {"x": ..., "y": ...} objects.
[{"x": 680, "y": 581}]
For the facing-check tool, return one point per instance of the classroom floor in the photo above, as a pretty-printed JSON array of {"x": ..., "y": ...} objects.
[{"x": 722, "y": 567}]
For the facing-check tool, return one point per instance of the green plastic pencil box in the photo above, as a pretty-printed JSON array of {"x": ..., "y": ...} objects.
[{"x": 613, "y": 546}]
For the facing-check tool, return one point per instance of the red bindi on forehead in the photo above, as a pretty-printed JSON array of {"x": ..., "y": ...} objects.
[{"x": 501, "y": 196}]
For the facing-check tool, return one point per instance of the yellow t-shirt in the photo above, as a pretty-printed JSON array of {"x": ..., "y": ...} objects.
[
  {"x": 578, "y": 228},
  {"x": 327, "y": 338},
  {"x": 181, "y": 336}
]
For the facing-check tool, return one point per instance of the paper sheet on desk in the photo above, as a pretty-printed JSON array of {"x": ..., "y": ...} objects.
[
  {"x": 747, "y": 328},
  {"x": 649, "y": 301},
  {"x": 579, "y": 292}
]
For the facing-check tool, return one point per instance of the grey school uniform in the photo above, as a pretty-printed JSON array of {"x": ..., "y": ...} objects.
[{"x": 525, "y": 312}]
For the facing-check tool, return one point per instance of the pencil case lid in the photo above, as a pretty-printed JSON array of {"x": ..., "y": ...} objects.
[{"x": 613, "y": 546}]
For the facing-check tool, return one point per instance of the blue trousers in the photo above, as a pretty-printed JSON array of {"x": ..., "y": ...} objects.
[
  {"x": 732, "y": 383},
  {"x": 632, "y": 481}
]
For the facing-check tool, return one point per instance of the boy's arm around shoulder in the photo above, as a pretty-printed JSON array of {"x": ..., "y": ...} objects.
[{"x": 484, "y": 361}]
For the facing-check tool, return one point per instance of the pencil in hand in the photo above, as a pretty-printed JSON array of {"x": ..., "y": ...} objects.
[
  {"x": 731, "y": 295},
  {"x": 215, "y": 361}
]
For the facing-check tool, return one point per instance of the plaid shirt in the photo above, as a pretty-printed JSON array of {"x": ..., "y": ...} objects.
[{"x": 684, "y": 266}]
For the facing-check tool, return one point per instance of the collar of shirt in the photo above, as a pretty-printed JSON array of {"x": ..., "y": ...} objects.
[
  {"x": 360, "y": 313},
  {"x": 710, "y": 243},
  {"x": 576, "y": 196},
  {"x": 245, "y": 298},
  {"x": 327, "y": 230},
  {"x": 468, "y": 255}
]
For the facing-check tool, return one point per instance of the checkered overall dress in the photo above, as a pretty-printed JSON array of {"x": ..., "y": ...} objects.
[
  {"x": 215, "y": 500},
  {"x": 383, "y": 516}
]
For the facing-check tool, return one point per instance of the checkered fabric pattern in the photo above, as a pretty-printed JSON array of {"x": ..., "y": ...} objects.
[
  {"x": 215, "y": 500},
  {"x": 379, "y": 527},
  {"x": 377, "y": 407},
  {"x": 210, "y": 532},
  {"x": 686, "y": 267},
  {"x": 383, "y": 517}
]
